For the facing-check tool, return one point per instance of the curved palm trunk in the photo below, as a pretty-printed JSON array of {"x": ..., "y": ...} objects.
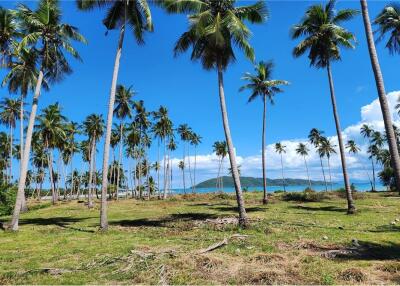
[
  {"x": 264, "y": 170},
  {"x": 103, "y": 209},
  {"x": 350, "y": 204},
  {"x": 11, "y": 154},
  {"x": 232, "y": 158},
  {"x": 330, "y": 175},
  {"x": 323, "y": 173},
  {"x": 380, "y": 86},
  {"x": 119, "y": 157},
  {"x": 24, "y": 206},
  {"x": 27, "y": 149},
  {"x": 283, "y": 175},
  {"x": 308, "y": 174}
]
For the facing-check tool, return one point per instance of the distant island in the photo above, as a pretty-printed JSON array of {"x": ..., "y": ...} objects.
[{"x": 255, "y": 182}]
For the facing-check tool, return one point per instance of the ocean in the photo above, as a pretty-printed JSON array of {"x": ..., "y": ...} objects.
[{"x": 362, "y": 187}]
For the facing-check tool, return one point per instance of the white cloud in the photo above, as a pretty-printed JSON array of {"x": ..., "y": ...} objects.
[{"x": 207, "y": 165}]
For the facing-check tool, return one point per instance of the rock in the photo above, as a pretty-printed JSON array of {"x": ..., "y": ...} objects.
[
  {"x": 354, "y": 241},
  {"x": 340, "y": 227},
  {"x": 324, "y": 237},
  {"x": 393, "y": 223}
]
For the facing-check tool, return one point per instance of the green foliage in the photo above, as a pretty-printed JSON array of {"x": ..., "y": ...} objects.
[
  {"x": 307, "y": 195},
  {"x": 7, "y": 200}
]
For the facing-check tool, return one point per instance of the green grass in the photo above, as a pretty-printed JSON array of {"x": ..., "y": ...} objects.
[{"x": 156, "y": 242}]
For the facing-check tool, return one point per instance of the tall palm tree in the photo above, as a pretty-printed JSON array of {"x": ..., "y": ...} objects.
[
  {"x": 50, "y": 127},
  {"x": 353, "y": 149},
  {"x": 221, "y": 150},
  {"x": 122, "y": 110},
  {"x": 195, "y": 140},
  {"x": 120, "y": 16},
  {"x": 323, "y": 39},
  {"x": 9, "y": 32},
  {"x": 51, "y": 39},
  {"x": 181, "y": 167},
  {"x": 315, "y": 138},
  {"x": 172, "y": 146},
  {"x": 380, "y": 86},
  {"x": 93, "y": 127},
  {"x": 280, "y": 149},
  {"x": 9, "y": 112},
  {"x": 303, "y": 150},
  {"x": 262, "y": 85},
  {"x": 366, "y": 131},
  {"x": 215, "y": 29},
  {"x": 326, "y": 149},
  {"x": 388, "y": 22},
  {"x": 184, "y": 132}
]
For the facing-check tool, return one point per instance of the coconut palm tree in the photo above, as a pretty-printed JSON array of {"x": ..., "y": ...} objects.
[
  {"x": 9, "y": 112},
  {"x": 380, "y": 86},
  {"x": 52, "y": 40},
  {"x": 172, "y": 146},
  {"x": 122, "y": 110},
  {"x": 263, "y": 86},
  {"x": 50, "y": 127},
  {"x": 315, "y": 138},
  {"x": 366, "y": 131},
  {"x": 323, "y": 39},
  {"x": 353, "y": 149},
  {"x": 185, "y": 133},
  {"x": 280, "y": 149},
  {"x": 195, "y": 140},
  {"x": 215, "y": 29},
  {"x": 181, "y": 167},
  {"x": 303, "y": 150},
  {"x": 120, "y": 16},
  {"x": 326, "y": 149},
  {"x": 9, "y": 32},
  {"x": 93, "y": 127},
  {"x": 388, "y": 22},
  {"x": 221, "y": 150}
]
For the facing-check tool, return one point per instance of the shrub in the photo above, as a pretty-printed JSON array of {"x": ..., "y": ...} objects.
[
  {"x": 307, "y": 195},
  {"x": 7, "y": 200}
]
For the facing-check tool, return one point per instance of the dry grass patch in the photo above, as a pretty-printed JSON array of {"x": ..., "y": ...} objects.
[{"x": 353, "y": 275}]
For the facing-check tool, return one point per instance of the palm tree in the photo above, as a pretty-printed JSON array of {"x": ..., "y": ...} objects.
[
  {"x": 122, "y": 110},
  {"x": 215, "y": 29},
  {"x": 9, "y": 112},
  {"x": 172, "y": 146},
  {"x": 302, "y": 150},
  {"x": 315, "y": 138},
  {"x": 9, "y": 32},
  {"x": 185, "y": 133},
  {"x": 221, "y": 150},
  {"x": 51, "y": 129},
  {"x": 323, "y": 38},
  {"x": 181, "y": 167},
  {"x": 366, "y": 131},
  {"x": 353, "y": 148},
  {"x": 261, "y": 85},
  {"x": 388, "y": 22},
  {"x": 93, "y": 127},
  {"x": 325, "y": 149},
  {"x": 120, "y": 15},
  {"x": 380, "y": 86},
  {"x": 195, "y": 140},
  {"x": 51, "y": 39},
  {"x": 279, "y": 148}
]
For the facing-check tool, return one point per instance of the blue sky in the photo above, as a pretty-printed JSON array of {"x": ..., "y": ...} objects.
[{"x": 190, "y": 93}]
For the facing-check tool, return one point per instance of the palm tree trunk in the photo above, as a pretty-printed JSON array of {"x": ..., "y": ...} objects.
[
  {"x": 119, "y": 157},
  {"x": 24, "y": 206},
  {"x": 103, "y": 209},
  {"x": 218, "y": 185},
  {"x": 264, "y": 170},
  {"x": 183, "y": 178},
  {"x": 323, "y": 173},
  {"x": 165, "y": 170},
  {"x": 194, "y": 169},
  {"x": 50, "y": 166},
  {"x": 380, "y": 86},
  {"x": 308, "y": 174},
  {"x": 330, "y": 175},
  {"x": 11, "y": 155},
  {"x": 373, "y": 175},
  {"x": 283, "y": 176},
  {"x": 232, "y": 158},
  {"x": 27, "y": 149},
  {"x": 190, "y": 168},
  {"x": 158, "y": 168},
  {"x": 350, "y": 204},
  {"x": 90, "y": 183}
]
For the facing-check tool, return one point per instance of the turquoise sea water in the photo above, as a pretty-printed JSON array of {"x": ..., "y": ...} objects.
[{"x": 297, "y": 188}]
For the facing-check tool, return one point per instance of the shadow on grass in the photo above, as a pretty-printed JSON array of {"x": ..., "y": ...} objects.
[
  {"x": 235, "y": 209},
  {"x": 63, "y": 222},
  {"x": 373, "y": 251},
  {"x": 164, "y": 221},
  {"x": 387, "y": 228},
  {"x": 326, "y": 208}
]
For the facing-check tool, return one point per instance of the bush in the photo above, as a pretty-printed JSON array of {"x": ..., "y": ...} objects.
[
  {"x": 307, "y": 195},
  {"x": 7, "y": 200}
]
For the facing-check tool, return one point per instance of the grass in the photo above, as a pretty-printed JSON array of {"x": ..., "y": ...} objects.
[{"x": 157, "y": 242}]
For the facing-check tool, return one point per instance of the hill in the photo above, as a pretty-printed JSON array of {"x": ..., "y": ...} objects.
[{"x": 254, "y": 182}]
